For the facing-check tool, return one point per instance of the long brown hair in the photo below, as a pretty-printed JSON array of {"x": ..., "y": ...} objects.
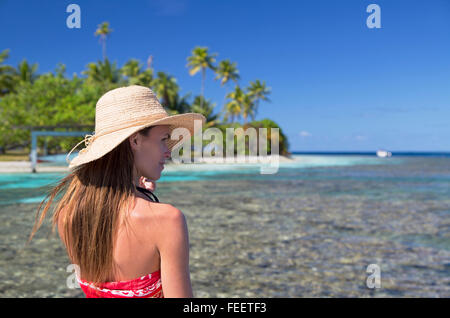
[{"x": 95, "y": 193}]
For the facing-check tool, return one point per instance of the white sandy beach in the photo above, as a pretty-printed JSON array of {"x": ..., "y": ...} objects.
[{"x": 25, "y": 166}]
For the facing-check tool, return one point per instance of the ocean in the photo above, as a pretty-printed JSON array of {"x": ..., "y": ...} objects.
[{"x": 313, "y": 229}]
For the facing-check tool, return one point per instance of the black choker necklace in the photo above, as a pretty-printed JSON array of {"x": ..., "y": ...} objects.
[{"x": 148, "y": 193}]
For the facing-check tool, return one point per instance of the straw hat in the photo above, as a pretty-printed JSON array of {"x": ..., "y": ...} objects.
[{"x": 120, "y": 113}]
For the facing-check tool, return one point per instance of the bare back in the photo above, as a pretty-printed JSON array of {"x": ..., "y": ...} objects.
[
  {"x": 135, "y": 250},
  {"x": 153, "y": 237}
]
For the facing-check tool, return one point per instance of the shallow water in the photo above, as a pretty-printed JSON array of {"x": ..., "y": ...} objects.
[{"x": 309, "y": 230}]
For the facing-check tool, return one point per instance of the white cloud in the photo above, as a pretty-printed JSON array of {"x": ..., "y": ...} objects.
[
  {"x": 305, "y": 134},
  {"x": 360, "y": 138}
]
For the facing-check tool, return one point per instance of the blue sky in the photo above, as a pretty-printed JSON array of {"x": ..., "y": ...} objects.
[{"x": 336, "y": 84}]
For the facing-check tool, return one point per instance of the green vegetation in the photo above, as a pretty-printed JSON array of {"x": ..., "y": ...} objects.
[
  {"x": 54, "y": 99},
  {"x": 13, "y": 156}
]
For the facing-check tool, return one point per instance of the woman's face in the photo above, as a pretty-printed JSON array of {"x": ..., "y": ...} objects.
[{"x": 151, "y": 152}]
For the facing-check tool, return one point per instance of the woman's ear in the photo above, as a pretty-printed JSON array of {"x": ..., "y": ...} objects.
[{"x": 133, "y": 139}]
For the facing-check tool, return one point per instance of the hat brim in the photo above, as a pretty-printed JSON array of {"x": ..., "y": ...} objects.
[{"x": 105, "y": 143}]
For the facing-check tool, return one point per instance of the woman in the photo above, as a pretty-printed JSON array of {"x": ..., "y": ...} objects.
[{"x": 125, "y": 242}]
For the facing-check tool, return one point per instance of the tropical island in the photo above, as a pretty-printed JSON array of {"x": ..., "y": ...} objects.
[{"x": 55, "y": 101}]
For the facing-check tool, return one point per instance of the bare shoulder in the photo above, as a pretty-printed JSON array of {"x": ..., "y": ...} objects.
[
  {"x": 146, "y": 210},
  {"x": 172, "y": 215},
  {"x": 170, "y": 219},
  {"x": 168, "y": 226},
  {"x": 160, "y": 218}
]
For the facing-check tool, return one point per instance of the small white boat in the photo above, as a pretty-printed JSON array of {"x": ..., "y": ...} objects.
[{"x": 383, "y": 153}]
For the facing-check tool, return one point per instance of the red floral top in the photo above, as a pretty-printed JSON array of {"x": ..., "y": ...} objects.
[{"x": 147, "y": 286}]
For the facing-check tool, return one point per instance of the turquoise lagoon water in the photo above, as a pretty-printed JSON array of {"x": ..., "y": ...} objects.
[
  {"x": 312, "y": 227},
  {"x": 23, "y": 187}
]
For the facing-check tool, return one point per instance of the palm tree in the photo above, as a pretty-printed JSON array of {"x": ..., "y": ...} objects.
[
  {"x": 149, "y": 61},
  {"x": 180, "y": 105},
  {"x": 103, "y": 31},
  {"x": 103, "y": 73},
  {"x": 132, "y": 68},
  {"x": 166, "y": 88},
  {"x": 201, "y": 60},
  {"x": 248, "y": 108},
  {"x": 4, "y": 55},
  {"x": 227, "y": 71},
  {"x": 26, "y": 72},
  {"x": 135, "y": 75},
  {"x": 233, "y": 110},
  {"x": 6, "y": 75},
  {"x": 144, "y": 78},
  {"x": 258, "y": 91},
  {"x": 234, "y": 107},
  {"x": 205, "y": 108}
]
